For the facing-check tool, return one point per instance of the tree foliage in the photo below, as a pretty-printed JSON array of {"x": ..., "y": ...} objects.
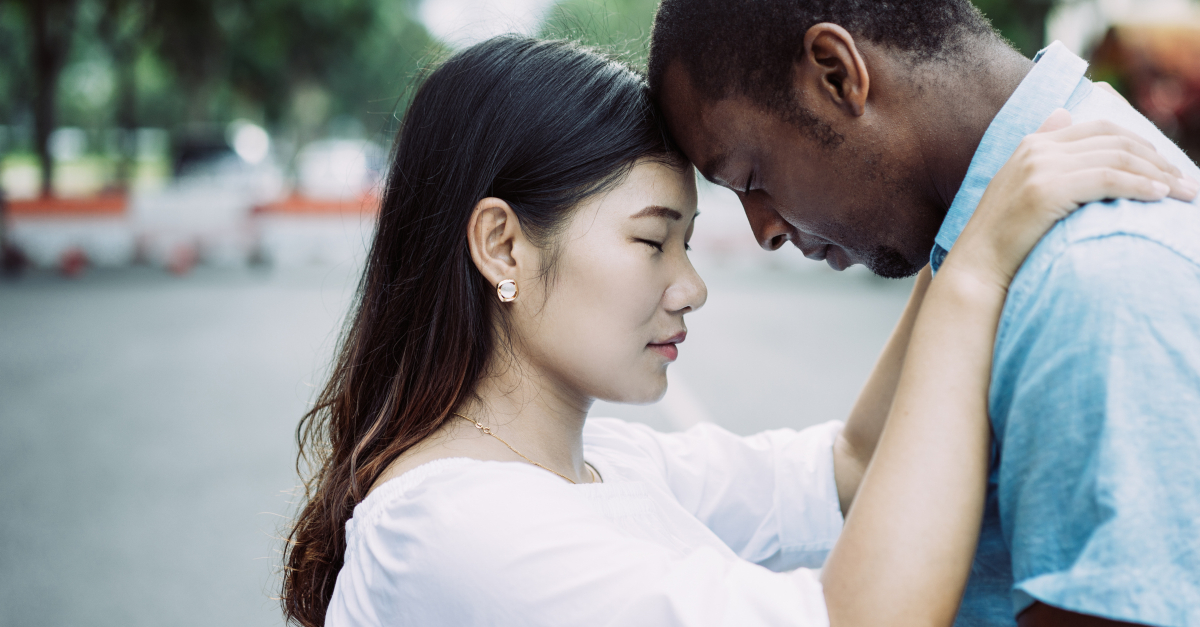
[
  {"x": 620, "y": 27},
  {"x": 623, "y": 26},
  {"x": 1022, "y": 22},
  {"x": 293, "y": 65},
  {"x": 180, "y": 64}
]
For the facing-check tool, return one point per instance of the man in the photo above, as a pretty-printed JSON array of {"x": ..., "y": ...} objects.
[{"x": 865, "y": 132}]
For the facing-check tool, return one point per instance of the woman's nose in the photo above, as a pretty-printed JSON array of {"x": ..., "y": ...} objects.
[
  {"x": 688, "y": 292},
  {"x": 770, "y": 229}
]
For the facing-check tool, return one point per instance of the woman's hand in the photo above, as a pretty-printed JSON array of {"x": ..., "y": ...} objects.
[
  {"x": 1052, "y": 173},
  {"x": 905, "y": 552}
]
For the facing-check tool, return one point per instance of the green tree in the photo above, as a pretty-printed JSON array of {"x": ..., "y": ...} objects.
[
  {"x": 620, "y": 27},
  {"x": 52, "y": 24},
  {"x": 623, "y": 26},
  {"x": 177, "y": 63},
  {"x": 188, "y": 37},
  {"x": 122, "y": 29},
  {"x": 16, "y": 78},
  {"x": 358, "y": 52},
  {"x": 1022, "y": 22}
]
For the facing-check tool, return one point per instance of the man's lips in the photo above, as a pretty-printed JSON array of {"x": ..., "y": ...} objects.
[
  {"x": 833, "y": 255},
  {"x": 837, "y": 258},
  {"x": 667, "y": 347},
  {"x": 817, "y": 254}
]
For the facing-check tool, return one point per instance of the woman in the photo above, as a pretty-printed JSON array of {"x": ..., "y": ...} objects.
[{"x": 530, "y": 257}]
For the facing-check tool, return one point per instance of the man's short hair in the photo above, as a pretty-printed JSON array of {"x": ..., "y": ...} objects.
[{"x": 747, "y": 47}]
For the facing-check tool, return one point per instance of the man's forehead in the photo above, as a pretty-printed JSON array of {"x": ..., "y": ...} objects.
[
  {"x": 692, "y": 121},
  {"x": 713, "y": 168}
]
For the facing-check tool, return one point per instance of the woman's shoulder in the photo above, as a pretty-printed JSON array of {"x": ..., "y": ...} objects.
[
  {"x": 614, "y": 434},
  {"x": 627, "y": 450},
  {"x": 417, "y": 536},
  {"x": 454, "y": 482}
]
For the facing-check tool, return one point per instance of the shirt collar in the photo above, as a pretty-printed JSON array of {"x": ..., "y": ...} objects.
[{"x": 1051, "y": 83}]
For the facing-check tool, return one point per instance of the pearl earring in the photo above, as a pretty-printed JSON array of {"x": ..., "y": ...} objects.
[{"x": 507, "y": 290}]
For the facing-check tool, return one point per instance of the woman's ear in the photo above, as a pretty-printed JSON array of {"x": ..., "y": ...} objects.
[{"x": 495, "y": 239}]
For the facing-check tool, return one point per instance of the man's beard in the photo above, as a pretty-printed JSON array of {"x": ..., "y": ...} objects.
[
  {"x": 890, "y": 263},
  {"x": 889, "y": 223}
]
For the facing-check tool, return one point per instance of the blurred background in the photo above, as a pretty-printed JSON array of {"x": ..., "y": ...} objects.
[{"x": 186, "y": 196}]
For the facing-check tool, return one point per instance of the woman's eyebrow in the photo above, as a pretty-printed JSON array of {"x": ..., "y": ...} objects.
[{"x": 657, "y": 211}]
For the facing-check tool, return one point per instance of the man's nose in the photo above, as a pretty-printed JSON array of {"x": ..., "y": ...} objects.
[{"x": 770, "y": 229}]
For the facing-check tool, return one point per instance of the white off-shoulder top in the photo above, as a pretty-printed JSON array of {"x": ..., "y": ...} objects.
[{"x": 690, "y": 529}]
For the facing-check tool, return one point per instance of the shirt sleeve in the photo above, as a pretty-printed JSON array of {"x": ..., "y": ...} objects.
[
  {"x": 771, "y": 497},
  {"x": 509, "y": 546},
  {"x": 1096, "y": 401}
]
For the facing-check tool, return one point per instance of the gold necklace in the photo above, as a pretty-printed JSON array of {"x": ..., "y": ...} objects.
[{"x": 595, "y": 474}]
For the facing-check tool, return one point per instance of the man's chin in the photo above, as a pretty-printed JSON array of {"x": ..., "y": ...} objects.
[{"x": 889, "y": 263}]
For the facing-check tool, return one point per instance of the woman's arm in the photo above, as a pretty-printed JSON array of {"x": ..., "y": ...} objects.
[
  {"x": 905, "y": 553},
  {"x": 907, "y": 545},
  {"x": 853, "y": 449}
]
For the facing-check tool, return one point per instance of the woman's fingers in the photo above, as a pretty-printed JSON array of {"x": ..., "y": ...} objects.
[
  {"x": 1116, "y": 142},
  {"x": 1140, "y": 164},
  {"x": 1109, "y": 88},
  {"x": 1089, "y": 185},
  {"x": 1093, "y": 128},
  {"x": 1053, "y": 173},
  {"x": 1066, "y": 149},
  {"x": 1184, "y": 189},
  {"x": 1058, "y": 120}
]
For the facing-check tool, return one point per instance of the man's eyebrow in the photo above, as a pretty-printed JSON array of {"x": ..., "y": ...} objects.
[
  {"x": 656, "y": 211},
  {"x": 714, "y": 165}
]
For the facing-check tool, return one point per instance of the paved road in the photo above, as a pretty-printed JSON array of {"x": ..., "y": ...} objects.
[{"x": 146, "y": 424}]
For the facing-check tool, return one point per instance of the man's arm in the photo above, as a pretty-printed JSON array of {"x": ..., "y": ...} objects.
[{"x": 1095, "y": 393}]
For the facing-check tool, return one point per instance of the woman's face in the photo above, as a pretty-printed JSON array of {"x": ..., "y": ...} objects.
[{"x": 608, "y": 319}]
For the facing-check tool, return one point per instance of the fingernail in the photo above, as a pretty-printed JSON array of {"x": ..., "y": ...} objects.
[
  {"x": 1162, "y": 188},
  {"x": 1189, "y": 186}
]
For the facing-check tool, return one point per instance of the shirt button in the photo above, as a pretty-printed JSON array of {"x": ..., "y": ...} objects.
[{"x": 939, "y": 255}]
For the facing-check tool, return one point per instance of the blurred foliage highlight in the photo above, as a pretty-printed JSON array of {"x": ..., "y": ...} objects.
[{"x": 303, "y": 69}]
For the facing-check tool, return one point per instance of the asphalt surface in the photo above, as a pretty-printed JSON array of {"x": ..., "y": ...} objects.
[{"x": 147, "y": 421}]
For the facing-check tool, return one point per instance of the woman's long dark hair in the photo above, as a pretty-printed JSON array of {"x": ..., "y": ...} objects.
[{"x": 541, "y": 125}]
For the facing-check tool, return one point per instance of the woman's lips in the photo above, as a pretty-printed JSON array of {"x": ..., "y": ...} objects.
[{"x": 667, "y": 348}]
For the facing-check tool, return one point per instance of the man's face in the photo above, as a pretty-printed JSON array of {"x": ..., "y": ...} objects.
[{"x": 858, "y": 199}]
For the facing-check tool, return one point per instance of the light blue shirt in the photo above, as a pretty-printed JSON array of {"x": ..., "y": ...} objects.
[{"x": 1094, "y": 495}]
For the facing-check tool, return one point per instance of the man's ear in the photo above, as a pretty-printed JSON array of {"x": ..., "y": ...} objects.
[
  {"x": 832, "y": 69},
  {"x": 495, "y": 239}
]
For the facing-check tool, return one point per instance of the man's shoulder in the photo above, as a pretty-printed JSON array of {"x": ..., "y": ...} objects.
[
  {"x": 1114, "y": 239},
  {"x": 1109, "y": 262},
  {"x": 1119, "y": 232},
  {"x": 1115, "y": 225}
]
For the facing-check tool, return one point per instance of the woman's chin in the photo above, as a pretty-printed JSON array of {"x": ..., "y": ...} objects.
[{"x": 645, "y": 392}]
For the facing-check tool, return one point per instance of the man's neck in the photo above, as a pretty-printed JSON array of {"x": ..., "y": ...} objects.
[{"x": 960, "y": 102}]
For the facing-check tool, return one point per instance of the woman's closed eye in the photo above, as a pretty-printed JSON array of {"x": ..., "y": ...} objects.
[{"x": 658, "y": 246}]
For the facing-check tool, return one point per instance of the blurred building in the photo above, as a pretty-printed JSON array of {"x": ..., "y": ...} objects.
[
  {"x": 1082, "y": 24},
  {"x": 1149, "y": 50},
  {"x": 1157, "y": 67}
]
